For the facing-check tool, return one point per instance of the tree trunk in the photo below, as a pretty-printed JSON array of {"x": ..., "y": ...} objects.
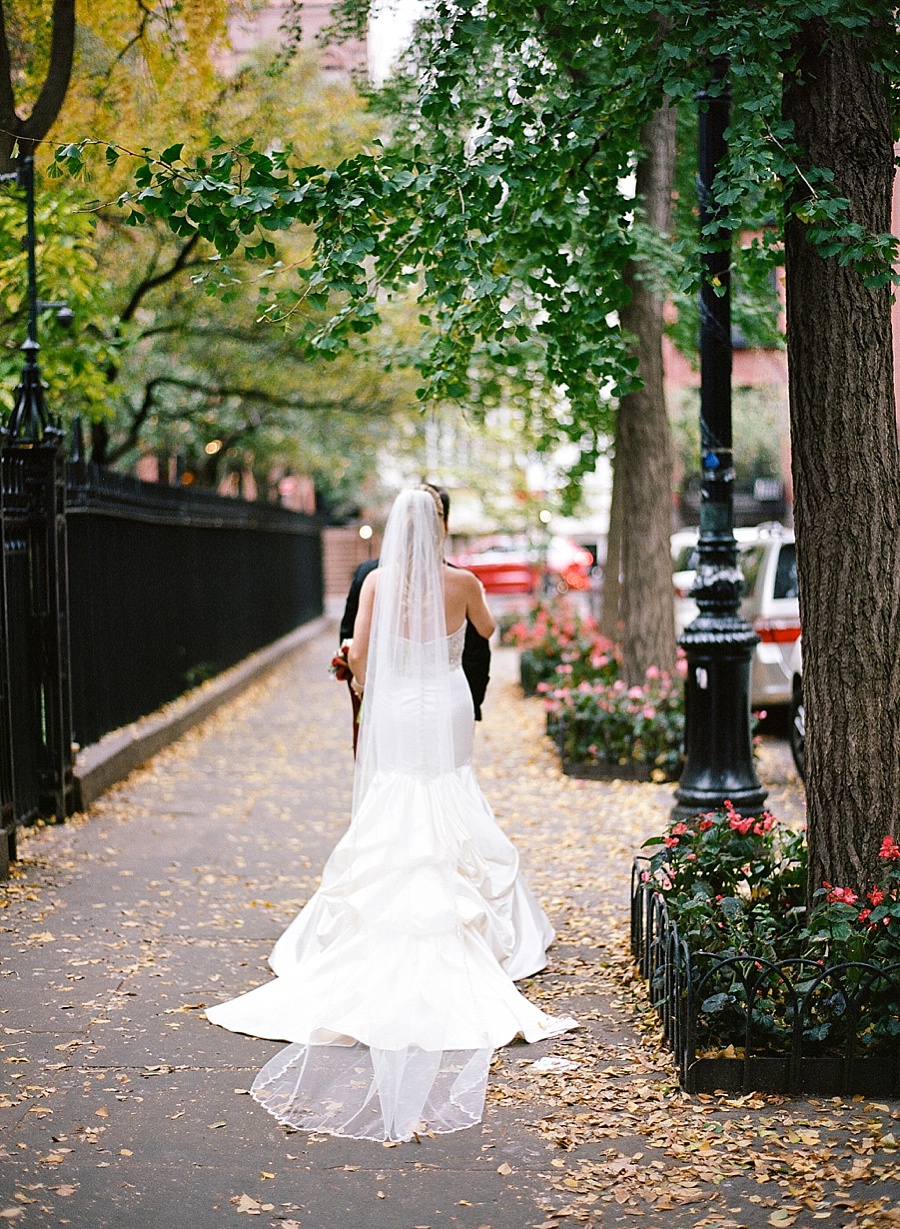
[
  {"x": 612, "y": 583},
  {"x": 846, "y": 469},
  {"x": 643, "y": 462}
]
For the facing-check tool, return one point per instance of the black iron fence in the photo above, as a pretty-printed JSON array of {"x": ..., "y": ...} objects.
[
  {"x": 737, "y": 1022},
  {"x": 115, "y": 597},
  {"x": 35, "y": 705},
  {"x": 169, "y": 586}
]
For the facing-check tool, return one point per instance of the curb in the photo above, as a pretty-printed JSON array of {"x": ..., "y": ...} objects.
[{"x": 118, "y": 753}]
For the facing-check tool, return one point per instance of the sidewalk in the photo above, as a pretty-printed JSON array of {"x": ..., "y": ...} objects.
[{"x": 121, "y": 1106}]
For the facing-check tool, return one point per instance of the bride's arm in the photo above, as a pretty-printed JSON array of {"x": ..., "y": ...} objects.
[{"x": 359, "y": 649}]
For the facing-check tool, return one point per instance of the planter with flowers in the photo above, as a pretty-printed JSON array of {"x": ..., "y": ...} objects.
[
  {"x": 605, "y": 729},
  {"x": 752, "y": 991},
  {"x": 602, "y": 728}
]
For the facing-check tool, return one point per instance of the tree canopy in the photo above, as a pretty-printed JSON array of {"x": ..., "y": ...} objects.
[
  {"x": 152, "y": 363},
  {"x": 498, "y": 194}
]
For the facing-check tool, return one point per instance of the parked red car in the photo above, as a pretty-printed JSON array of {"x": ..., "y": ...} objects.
[
  {"x": 507, "y": 563},
  {"x": 503, "y": 564}
]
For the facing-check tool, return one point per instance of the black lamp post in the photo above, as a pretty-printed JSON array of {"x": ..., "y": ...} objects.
[
  {"x": 29, "y": 420},
  {"x": 718, "y": 644}
]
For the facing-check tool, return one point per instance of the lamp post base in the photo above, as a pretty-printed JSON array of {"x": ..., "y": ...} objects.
[{"x": 718, "y": 747}]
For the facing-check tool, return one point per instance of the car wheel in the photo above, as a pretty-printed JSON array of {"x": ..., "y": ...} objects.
[{"x": 797, "y": 731}]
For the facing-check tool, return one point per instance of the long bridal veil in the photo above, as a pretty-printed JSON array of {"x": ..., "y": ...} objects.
[
  {"x": 406, "y": 723},
  {"x": 389, "y": 983}
]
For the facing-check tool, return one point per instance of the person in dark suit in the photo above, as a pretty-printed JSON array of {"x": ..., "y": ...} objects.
[{"x": 476, "y": 661}]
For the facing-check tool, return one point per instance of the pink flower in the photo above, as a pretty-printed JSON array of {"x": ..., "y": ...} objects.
[
  {"x": 670, "y": 842},
  {"x": 740, "y": 825},
  {"x": 652, "y": 672},
  {"x": 679, "y": 830},
  {"x": 649, "y": 711},
  {"x": 635, "y": 693},
  {"x": 864, "y": 915}
]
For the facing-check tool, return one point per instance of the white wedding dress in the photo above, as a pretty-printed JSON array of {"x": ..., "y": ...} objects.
[{"x": 394, "y": 984}]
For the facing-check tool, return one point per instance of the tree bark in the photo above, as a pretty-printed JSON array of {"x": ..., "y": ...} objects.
[
  {"x": 612, "y": 568},
  {"x": 846, "y": 469},
  {"x": 643, "y": 460},
  {"x": 53, "y": 91}
]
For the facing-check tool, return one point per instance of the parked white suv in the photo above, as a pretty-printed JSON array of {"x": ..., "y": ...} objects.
[{"x": 767, "y": 557}]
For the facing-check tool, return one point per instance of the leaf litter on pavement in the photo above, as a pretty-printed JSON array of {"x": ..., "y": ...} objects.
[
  {"x": 623, "y": 1144},
  {"x": 628, "y": 1141}
]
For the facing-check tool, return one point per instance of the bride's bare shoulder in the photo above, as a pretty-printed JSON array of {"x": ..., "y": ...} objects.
[{"x": 460, "y": 578}]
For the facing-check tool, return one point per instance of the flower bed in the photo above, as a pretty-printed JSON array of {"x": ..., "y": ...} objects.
[
  {"x": 602, "y": 728},
  {"x": 559, "y": 644},
  {"x": 607, "y": 729},
  {"x": 752, "y": 993}
]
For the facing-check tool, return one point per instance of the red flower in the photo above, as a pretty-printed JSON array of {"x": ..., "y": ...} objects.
[
  {"x": 670, "y": 842},
  {"x": 340, "y": 668},
  {"x": 842, "y": 896},
  {"x": 679, "y": 830},
  {"x": 876, "y": 896},
  {"x": 705, "y": 824},
  {"x": 889, "y": 850},
  {"x": 864, "y": 915}
]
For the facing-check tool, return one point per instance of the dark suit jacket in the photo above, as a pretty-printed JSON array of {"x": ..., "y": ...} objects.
[{"x": 476, "y": 661}]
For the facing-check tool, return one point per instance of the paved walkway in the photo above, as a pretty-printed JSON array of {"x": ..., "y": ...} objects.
[{"x": 121, "y": 1106}]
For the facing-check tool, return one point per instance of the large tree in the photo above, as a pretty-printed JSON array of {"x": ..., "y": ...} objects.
[
  {"x": 643, "y": 463},
  {"x": 844, "y": 444}
]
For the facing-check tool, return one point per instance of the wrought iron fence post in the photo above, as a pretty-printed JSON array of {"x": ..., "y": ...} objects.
[
  {"x": 7, "y": 760},
  {"x": 35, "y": 693}
]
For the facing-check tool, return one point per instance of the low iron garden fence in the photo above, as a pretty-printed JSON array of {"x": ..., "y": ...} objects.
[{"x": 737, "y": 1022}]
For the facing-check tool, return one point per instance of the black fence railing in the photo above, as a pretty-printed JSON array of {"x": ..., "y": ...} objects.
[
  {"x": 35, "y": 705},
  {"x": 740, "y": 1022},
  {"x": 168, "y": 587},
  {"x": 116, "y": 596}
]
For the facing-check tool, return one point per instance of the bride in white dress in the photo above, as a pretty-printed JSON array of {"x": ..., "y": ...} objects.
[{"x": 394, "y": 985}]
